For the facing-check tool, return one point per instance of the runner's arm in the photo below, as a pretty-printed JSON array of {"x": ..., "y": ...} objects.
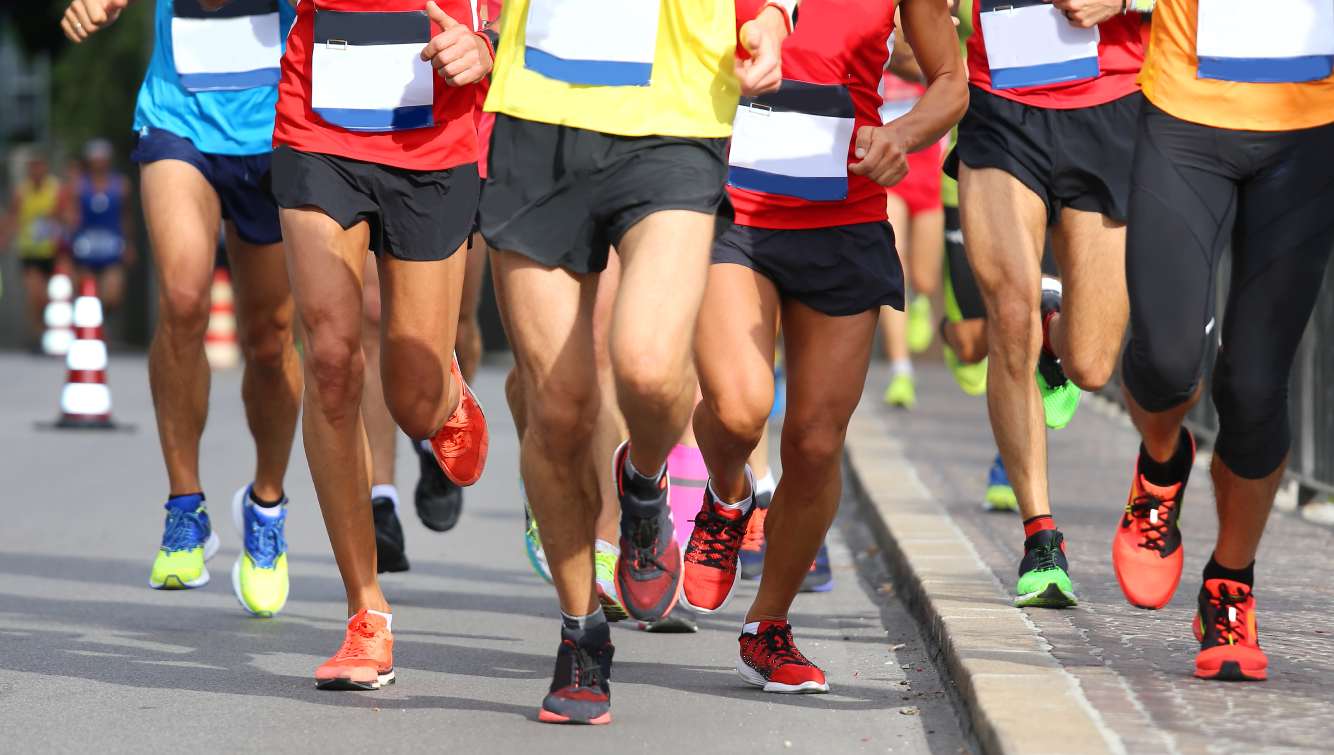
[
  {"x": 460, "y": 55},
  {"x": 883, "y": 150},
  {"x": 83, "y": 17},
  {"x": 759, "y": 57}
]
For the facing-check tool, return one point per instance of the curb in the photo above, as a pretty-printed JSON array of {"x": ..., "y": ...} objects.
[{"x": 1019, "y": 699}]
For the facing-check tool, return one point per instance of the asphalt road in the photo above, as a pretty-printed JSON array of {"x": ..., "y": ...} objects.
[{"x": 92, "y": 660}]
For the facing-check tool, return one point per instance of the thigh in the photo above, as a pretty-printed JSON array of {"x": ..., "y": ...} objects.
[
  {"x": 325, "y": 265},
  {"x": 897, "y": 209},
  {"x": 664, "y": 266},
  {"x": 182, "y": 214},
  {"x": 419, "y": 311},
  {"x": 818, "y": 398},
  {"x": 1090, "y": 250},
  {"x": 472, "y": 279},
  {"x": 734, "y": 341},
  {"x": 1004, "y": 226}
]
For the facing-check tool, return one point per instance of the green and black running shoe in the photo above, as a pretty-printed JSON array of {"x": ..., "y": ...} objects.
[
  {"x": 1043, "y": 578},
  {"x": 1060, "y": 397}
]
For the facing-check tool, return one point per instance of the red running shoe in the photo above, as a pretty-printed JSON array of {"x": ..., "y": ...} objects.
[
  {"x": 1147, "y": 553},
  {"x": 648, "y": 576},
  {"x": 1225, "y": 626},
  {"x": 460, "y": 446},
  {"x": 770, "y": 659},
  {"x": 710, "y": 575},
  {"x": 581, "y": 688},
  {"x": 366, "y": 659}
]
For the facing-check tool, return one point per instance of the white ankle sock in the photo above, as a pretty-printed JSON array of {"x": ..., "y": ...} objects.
[
  {"x": 752, "y": 627},
  {"x": 742, "y": 505},
  {"x": 767, "y": 483},
  {"x": 900, "y": 367},
  {"x": 603, "y": 546}
]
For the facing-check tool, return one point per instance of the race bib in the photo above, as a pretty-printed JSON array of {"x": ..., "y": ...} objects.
[
  {"x": 1030, "y": 43},
  {"x": 43, "y": 229},
  {"x": 594, "y": 42},
  {"x": 794, "y": 142},
  {"x": 367, "y": 73},
  {"x": 237, "y": 46},
  {"x": 98, "y": 246},
  {"x": 1269, "y": 42}
]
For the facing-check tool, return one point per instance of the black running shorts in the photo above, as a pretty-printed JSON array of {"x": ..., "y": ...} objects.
[
  {"x": 563, "y": 196},
  {"x": 1077, "y": 158},
  {"x": 1194, "y": 189},
  {"x": 839, "y": 271},
  {"x": 414, "y": 215}
]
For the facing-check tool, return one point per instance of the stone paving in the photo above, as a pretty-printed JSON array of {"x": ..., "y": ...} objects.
[{"x": 1134, "y": 665}]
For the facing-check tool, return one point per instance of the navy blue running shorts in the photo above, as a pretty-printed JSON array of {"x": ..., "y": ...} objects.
[
  {"x": 839, "y": 271},
  {"x": 234, "y": 177}
]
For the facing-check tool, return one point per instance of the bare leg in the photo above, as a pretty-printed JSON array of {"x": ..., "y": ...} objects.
[
  {"x": 968, "y": 338},
  {"x": 926, "y": 250},
  {"x": 1090, "y": 249},
  {"x": 381, "y": 432},
  {"x": 468, "y": 343},
  {"x": 894, "y": 324},
  {"x": 111, "y": 287},
  {"x": 35, "y": 283},
  {"x": 1243, "y": 509},
  {"x": 610, "y": 431}
]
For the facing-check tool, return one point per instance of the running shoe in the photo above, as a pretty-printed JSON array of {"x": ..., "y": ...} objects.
[
  {"x": 972, "y": 378},
  {"x": 679, "y": 621},
  {"x": 919, "y": 324},
  {"x": 581, "y": 686},
  {"x": 259, "y": 576},
  {"x": 1060, "y": 397},
  {"x": 820, "y": 577},
  {"x": 532, "y": 541},
  {"x": 437, "y": 499},
  {"x": 1225, "y": 626},
  {"x": 460, "y": 446},
  {"x": 770, "y": 659},
  {"x": 751, "y": 555},
  {"x": 604, "y": 567},
  {"x": 366, "y": 659},
  {"x": 1000, "y": 496},
  {"x": 648, "y": 576},
  {"x": 188, "y": 540},
  {"x": 1044, "y": 581},
  {"x": 902, "y": 391},
  {"x": 710, "y": 575},
  {"x": 1146, "y": 552},
  {"x": 390, "y": 555}
]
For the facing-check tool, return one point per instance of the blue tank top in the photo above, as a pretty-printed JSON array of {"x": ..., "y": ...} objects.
[
  {"x": 100, "y": 238},
  {"x": 213, "y": 75}
]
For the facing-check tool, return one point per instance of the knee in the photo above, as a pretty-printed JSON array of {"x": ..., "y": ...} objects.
[
  {"x": 265, "y": 344},
  {"x": 1013, "y": 333},
  {"x": 183, "y": 308},
  {"x": 562, "y": 415},
  {"x": 337, "y": 370},
  {"x": 815, "y": 444},
  {"x": 646, "y": 378},
  {"x": 1161, "y": 373},
  {"x": 1090, "y": 370},
  {"x": 742, "y": 417}
]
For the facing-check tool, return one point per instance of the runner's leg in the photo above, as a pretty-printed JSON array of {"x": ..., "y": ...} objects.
[
  {"x": 1086, "y": 334},
  {"x": 35, "y": 283},
  {"x": 468, "y": 341},
  {"x": 381, "y": 432},
  {"x": 611, "y": 430}
]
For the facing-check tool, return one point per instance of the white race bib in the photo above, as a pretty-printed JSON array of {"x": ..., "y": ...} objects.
[
  {"x": 592, "y": 42},
  {"x": 367, "y": 73},
  {"x": 794, "y": 142},
  {"x": 1265, "y": 42},
  {"x": 1030, "y": 43},
  {"x": 97, "y": 246},
  {"x": 238, "y": 46}
]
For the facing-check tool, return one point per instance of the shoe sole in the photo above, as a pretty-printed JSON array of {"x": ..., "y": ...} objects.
[
  {"x": 1051, "y": 596},
  {"x": 755, "y": 679},
  {"x": 546, "y": 716},
  {"x": 211, "y": 546},
  {"x": 1231, "y": 671},
  {"x": 238, "y": 520},
  {"x": 824, "y": 587},
  {"x": 612, "y": 607},
  {"x": 348, "y": 685}
]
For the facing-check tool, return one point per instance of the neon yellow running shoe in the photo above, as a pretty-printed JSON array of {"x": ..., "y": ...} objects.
[
  {"x": 605, "y": 565},
  {"x": 902, "y": 391},
  {"x": 972, "y": 378},
  {"x": 532, "y": 541},
  {"x": 1000, "y": 495},
  {"x": 187, "y": 542},
  {"x": 920, "y": 331},
  {"x": 259, "y": 576}
]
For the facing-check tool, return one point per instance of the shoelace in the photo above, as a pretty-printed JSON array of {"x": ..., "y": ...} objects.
[
  {"x": 265, "y": 542},
  {"x": 753, "y": 540},
  {"x": 359, "y": 642},
  {"x": 1046, "y": 555},
  {"x": 1153, "y": 525},
  {"x": 590, "y": 670},
  {"x": 184, "y": 530},
  {"x": 713, "y": 545},
  {"x": 643, "y": 543},
  {"x": 1051, "y": 371},
  {"x": 1229, "y": 623},
  {"x": 779, "y": 647}
]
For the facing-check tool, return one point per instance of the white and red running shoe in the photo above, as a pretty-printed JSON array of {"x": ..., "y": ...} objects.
[
  {"x": 710, "y": 576},
  {"x": 770, "y": 659}
]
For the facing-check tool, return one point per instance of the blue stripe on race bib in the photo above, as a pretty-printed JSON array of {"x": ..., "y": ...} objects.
[
  {"x": 605, "y": 73},
  {"x": 811, "y": 189},
  {"x": 1267, "y": 70},
  {"x": 209, "y": 82},
  {"x": 418, "y": 116},
  {"x": 1049, "y": 73}
]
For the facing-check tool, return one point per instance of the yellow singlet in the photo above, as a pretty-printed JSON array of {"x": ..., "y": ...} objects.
[
  {"x": 37, "y": 226},
  {"x": 693, "y": 91}
]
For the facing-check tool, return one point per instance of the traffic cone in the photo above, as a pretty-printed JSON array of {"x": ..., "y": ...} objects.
[
  {"x": 220, "y": 345},
  {"x": 59, "y": 315},
  {"x": 86, "y": 400}
]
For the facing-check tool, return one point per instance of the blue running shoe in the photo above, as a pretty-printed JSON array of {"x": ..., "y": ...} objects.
[
  {"x": 532, "y": 539},
  {"x": 187, "y": 542},
  {"x": 1000, "y": 496},
  {"x": 259, "y": 576},
  {"x": 821, "y": 577}
]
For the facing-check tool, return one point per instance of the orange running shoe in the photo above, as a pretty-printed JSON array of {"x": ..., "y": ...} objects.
[
  {"x": 1225, "y": 626},
  {"x": 461, "y": 444},
  {"x": 366, "y": 659},
  {"x": 1147, "y": 553}
]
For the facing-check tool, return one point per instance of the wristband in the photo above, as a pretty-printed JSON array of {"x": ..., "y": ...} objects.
[
  {"x": 787, "y": 6},
  {"x": 492, "y": 40}
]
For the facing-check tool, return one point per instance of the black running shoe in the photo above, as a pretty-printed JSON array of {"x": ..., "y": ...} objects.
[
  {"x": 648, "y": 576},
  {"x": 581, "y": 687},
  {"x": 389, "y": 551},
  {"x": 1044, "y": 579},
  {"x": 438, "y": 500}
]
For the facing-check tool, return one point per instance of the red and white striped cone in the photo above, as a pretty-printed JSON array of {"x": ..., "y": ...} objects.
[
  {"x": 220, "y": 344},
  {"x": 86, "y": 400},
  {"x": 59, "y": 315}
]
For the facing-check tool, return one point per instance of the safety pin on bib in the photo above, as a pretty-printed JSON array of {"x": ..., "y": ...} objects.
[{"x": 336, "y": 44}]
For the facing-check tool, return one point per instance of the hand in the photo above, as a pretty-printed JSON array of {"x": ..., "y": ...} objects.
[
  {"x": 763, "y": 39},
  {"x": 83, "y": 17},
  {"x": 1086, "y": 13},
  {"x": 458, "y": 56},
  {"x": 883, "y": 158}
]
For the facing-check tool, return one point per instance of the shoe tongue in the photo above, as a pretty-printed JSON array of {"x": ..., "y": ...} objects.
[
  {"x": 364, "y": 616},
  {"x": 185, "y": 502},
  {"x": 726, "y": 513},
  {"x": 1166, "y": 493},
  {"x": 1216, "y": 587}
]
